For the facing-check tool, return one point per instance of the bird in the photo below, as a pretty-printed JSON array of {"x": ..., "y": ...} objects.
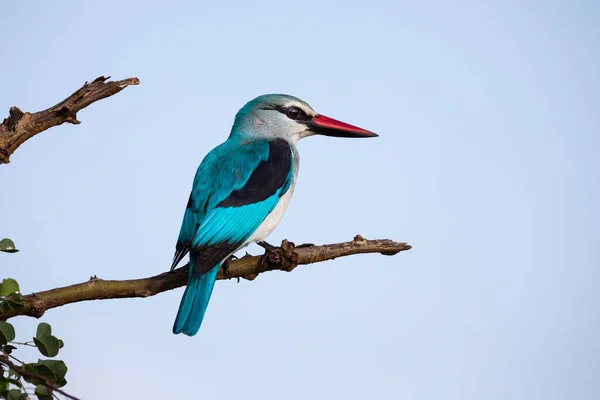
[{"x": 242, "y": 189}]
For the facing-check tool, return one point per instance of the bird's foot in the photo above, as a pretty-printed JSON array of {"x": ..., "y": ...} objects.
[
  {"x": 267, "y": 246},
  {"x": 269, "y": 251},
  {"x": 264, "y": 259},
  {"x": 283, "y": 257}
]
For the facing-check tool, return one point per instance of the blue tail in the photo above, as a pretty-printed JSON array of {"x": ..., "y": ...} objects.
[{"x": 195, "y": 300}]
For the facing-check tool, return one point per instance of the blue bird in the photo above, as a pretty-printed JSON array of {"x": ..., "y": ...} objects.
[{"x": 241, "y": 191}]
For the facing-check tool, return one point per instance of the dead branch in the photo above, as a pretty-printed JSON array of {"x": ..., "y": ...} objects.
[{"x": 21, "y": 126}]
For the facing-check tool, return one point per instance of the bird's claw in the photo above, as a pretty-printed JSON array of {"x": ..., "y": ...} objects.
[
  {"x": 282, "y": 257},
  {"x": 264, "y": 258},
  {"x": 267, "y": 246},
  {"x": 269, "y": 249}
]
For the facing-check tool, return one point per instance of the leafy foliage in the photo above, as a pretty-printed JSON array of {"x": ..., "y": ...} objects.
[{"x": 21, "y": 380}]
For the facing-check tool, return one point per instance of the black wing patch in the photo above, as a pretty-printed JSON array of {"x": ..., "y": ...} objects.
[
  {"x": 268, "y": 177},
  {"x": 208, "y": 257}
]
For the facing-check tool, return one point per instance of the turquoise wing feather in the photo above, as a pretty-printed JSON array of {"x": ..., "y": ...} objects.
[{"x": 225, "y": 169}]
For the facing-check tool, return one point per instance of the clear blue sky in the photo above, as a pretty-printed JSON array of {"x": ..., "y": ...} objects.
[{"x": 487, "y": 163}]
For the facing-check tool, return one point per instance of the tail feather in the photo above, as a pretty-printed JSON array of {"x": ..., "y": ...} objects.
[{"x": 195, "y": 300}]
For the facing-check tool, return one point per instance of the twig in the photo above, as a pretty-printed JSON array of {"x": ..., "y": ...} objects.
[{"x": 285, "y": 258}]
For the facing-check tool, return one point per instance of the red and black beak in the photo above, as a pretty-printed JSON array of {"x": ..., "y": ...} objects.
[{"x": 323, "y": 125}]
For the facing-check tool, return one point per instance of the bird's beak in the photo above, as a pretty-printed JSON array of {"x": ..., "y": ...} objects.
[{"x": 323, "y": 125}]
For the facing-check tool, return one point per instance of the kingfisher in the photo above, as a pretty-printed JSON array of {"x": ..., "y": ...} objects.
[{"x": 241, "y": 191}]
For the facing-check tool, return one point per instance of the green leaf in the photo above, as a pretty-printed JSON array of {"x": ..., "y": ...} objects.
[
  {"x": 8, "y": 286},
  {"x": 15, "y": 382},
  {"x": 7, "y": 349},
  {"x": 45, "y": 371},
  {"x": 15, "y": 298},
  {"x": 7, "y": 246},
  {"x": 43, "y": 329},
  {"x": 54, "y": 370},
  {"x": 3, "y": 385},
  {"x": 7, "y": 332},
  {"x": 43, "y": 393},
  {"x": 14, "y": 301},
  {"x": 46, "y": 343},
  {"x": 58, "y": 367},
  {"x": 31, "y": 369},
  {"x": 15, "y": 394}
]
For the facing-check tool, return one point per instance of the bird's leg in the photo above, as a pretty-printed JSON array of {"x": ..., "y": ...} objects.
[
  {"x": 267, "y": 246},
  {"x": 268, "y": 249},
  {"x": 226, "y": 266}
]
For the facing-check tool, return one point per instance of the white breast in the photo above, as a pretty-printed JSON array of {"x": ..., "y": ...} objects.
[
  {"x": 276, "y": 215},
  {"x": 272, "y": 219}
]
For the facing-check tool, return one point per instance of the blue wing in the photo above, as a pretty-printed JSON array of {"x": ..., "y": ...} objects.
[{"x": 235, "y": 188}]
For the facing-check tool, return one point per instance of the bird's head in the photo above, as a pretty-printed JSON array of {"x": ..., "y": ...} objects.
[{"x": 283, "y": 116}]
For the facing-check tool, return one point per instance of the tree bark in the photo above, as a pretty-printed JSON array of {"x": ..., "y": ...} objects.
[{"x": 285, "y": 258}]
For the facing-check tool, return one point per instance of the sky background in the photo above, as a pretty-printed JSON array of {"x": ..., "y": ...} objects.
[{"x": 487, "y": 163}]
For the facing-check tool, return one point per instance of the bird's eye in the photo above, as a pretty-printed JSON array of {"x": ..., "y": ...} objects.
[{"x": 294, "y": 113}]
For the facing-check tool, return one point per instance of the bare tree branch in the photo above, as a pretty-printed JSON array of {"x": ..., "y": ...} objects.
[
  {"x": 21, "y": 126},
  {"x": 285, "y": 258}
]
